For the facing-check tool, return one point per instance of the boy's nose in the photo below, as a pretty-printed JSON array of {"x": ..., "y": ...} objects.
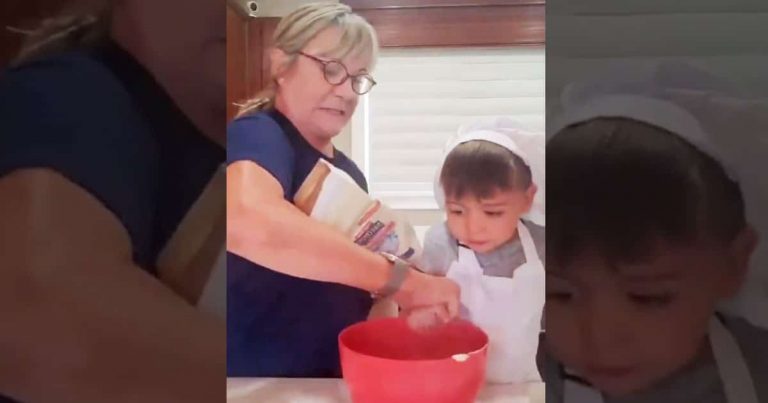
[
  {"x": 473, "y": 228},
  {"x": 603, "y": 330}
]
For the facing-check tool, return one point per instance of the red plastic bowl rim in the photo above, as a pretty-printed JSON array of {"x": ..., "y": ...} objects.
[{"x": 351, "y": 327}]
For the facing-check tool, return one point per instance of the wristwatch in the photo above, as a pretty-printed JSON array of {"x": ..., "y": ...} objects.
[{"x": 400, "y": 270}]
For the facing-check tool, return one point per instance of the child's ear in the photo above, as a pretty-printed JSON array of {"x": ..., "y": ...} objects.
[{"x": 741, "y": 250}]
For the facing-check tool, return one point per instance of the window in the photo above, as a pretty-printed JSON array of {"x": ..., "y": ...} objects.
[{"x": 424, "y": 95}]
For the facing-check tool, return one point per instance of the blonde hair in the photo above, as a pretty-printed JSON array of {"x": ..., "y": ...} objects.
[
  {"x": 298, "y": 28},
  {"x": 82, "y": 24}
]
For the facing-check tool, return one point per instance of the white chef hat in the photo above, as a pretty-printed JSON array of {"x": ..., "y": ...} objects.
[
  {"x": 708, "y": 112},
  {"x": 525, "y": 143}
]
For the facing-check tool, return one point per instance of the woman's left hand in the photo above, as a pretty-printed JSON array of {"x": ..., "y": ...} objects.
[{"x": 426, "y": 318}]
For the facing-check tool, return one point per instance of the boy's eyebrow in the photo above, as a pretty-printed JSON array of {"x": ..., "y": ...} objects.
[
  {"x": 668, "y": 275},
  {"x": 494, "y": 204},
  {"x": 454, "y": 201}
]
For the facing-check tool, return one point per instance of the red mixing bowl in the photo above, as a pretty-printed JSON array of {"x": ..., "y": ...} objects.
[{"x": 385, "y": 361}]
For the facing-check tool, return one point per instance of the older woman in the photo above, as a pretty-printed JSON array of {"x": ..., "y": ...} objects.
[{"x": 293, "y": 283}]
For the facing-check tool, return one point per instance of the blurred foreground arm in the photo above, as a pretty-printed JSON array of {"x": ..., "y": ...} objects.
[{"x": 81, "y": 322}]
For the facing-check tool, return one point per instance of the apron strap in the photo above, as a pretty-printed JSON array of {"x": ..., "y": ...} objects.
[
  {"x": 734, "y": 374},
  {"x": 468, "y": 258},
  {"x": 529, "y": 248}
]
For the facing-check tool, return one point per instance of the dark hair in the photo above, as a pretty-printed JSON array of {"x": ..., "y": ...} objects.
[
  {"x": 480, "y": 168},
  {"x": 618, "y": 186}
]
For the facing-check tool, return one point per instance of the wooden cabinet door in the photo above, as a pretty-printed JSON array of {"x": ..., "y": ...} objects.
[
  {"x": 454, "y": 23},
  {"x": 237, "y": 66},
  {"x": 248, "y": 41}
]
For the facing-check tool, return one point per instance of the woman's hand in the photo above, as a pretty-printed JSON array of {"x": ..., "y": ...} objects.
[
  {"x": 421, "y": 319},
  {"x": 427, "y": 299}
]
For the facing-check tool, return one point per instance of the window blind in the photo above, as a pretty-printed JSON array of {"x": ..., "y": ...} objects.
[{"x": 423, "y": 96}]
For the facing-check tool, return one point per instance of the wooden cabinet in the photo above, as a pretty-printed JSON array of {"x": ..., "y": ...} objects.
[
  {"x": 248, "y": 40},
  {"x": 237, "y": 76},
  {"x": 408, "y": 23}
]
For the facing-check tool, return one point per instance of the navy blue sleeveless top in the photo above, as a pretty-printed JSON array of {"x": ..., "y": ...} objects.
[{"x": 278, "y": 325}]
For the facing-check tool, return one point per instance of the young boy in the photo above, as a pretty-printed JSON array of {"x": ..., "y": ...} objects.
[
  {"x": 648, "y": 235},
  {"x": 486, "y": 185}
]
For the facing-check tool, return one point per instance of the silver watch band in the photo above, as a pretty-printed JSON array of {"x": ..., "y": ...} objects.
[{"x": 400, "y": 269}]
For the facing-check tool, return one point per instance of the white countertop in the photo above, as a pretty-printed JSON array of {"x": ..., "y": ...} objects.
[{"x": 292, "y": 390}]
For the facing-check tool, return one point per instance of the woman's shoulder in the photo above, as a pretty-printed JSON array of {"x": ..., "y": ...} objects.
[
  {"x": 74, "y": 76},
  {"x": 257, "y": 119},
  {"x": 260, "y": 122},
  {"x": 71, "y": 97},
  {"x": 69, "y": 113},
  {"x": 258, "y": 137},
  {"x": 257, "y": 128}
]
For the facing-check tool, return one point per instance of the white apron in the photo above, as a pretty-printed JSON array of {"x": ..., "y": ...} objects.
[
  {"x": 509, "y": 310},
  {"x": 734, "y": 374}
]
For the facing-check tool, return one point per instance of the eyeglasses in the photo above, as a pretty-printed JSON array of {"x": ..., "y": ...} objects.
[{"x": 336, "y": 73}]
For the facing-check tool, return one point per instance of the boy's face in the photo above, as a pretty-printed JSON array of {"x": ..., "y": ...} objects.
[
  {"x": 624, "y": 328},
  {"x": 485, "y": 224}
]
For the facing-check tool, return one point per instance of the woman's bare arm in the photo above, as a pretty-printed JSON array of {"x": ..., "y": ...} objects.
[
  {"x": 80, "y": 322},
  {"x": 266, "y": 229}
]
